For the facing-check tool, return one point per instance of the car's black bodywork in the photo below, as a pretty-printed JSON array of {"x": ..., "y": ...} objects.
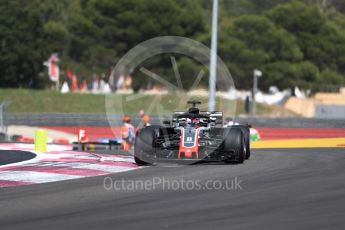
[{"x": 192, "y": 136}]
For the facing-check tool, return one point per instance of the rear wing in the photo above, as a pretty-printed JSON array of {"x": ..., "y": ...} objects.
[{"x": 215, "y": 116}]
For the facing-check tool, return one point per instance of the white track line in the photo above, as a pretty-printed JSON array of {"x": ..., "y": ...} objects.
[{"x": 35, "y": 177}]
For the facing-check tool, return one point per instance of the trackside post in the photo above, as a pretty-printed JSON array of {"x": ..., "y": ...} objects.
[{"x": 41, "y": 140}]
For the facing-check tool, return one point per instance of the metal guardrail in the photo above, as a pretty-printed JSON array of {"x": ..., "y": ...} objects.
[{"x": 101, "y": 120}]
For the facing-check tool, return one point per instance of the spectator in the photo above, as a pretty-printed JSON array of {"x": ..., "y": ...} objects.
[
  {"x": 127, "y": 133},
  {"x": 128, "y": 82},
  {"x": 145, "y": 121},
  {"x": 120, "y": 82}
]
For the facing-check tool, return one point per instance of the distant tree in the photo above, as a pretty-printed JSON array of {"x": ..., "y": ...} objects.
[
  {"x": 253, "y": 42},
  {"x": 287, "y": 74},
  {"x": 21, "y": 43},
  {"x": 294, "y": 42},
  {"x": 321, "y": 41}
]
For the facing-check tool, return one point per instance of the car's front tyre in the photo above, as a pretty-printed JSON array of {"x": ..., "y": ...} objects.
[{"x": 143, "y": 146}]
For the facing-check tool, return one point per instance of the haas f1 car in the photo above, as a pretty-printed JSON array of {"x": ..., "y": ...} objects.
[{"x": 192, "y": 136}]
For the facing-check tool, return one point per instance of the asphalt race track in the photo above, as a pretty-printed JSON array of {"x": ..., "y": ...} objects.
[
  {"x": 13, "y": 156},
  {"x": 280, "y": 189}
]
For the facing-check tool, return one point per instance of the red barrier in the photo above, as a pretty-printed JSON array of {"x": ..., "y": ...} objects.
[
  {"x": 300, "y": 133},
  {"x": 61, "y": 141},
  {"x": 25, "y": 139}
]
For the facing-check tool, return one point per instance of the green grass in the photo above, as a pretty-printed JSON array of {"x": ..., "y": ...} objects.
[
  {"x": 47, "y": 101},
  {"x": 44, "y": 101}
]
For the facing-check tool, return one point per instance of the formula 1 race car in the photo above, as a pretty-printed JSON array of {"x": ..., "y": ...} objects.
[{"x": 192, "y": 136}]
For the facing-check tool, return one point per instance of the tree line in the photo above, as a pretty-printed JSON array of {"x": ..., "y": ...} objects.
[{"x": 294, "y": 43}]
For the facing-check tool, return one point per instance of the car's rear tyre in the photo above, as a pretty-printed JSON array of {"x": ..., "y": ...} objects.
[
  {"x": 246, "y": 133},
  {"x": 143, "y": 146},
  {"x": 247, "y": 149},
  {"x": 234, "y": 141}
]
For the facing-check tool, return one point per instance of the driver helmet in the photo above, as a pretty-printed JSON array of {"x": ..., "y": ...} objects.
[{"x": 193, "y": 110}]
